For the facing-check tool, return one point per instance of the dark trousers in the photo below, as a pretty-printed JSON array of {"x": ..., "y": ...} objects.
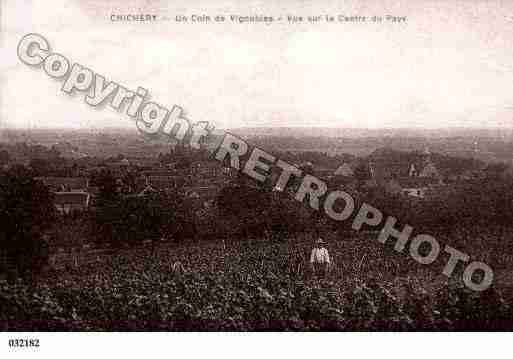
[{"x": 320, "y": 269}]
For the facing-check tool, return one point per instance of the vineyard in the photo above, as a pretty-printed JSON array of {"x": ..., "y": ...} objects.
[{"x": 254, "y": 286}]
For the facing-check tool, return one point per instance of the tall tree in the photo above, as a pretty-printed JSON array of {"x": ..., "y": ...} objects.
[{"x": 26, "y": 209}]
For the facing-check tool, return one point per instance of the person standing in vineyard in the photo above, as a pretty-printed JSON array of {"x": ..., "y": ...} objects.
[{"x": 320, "y": 259}]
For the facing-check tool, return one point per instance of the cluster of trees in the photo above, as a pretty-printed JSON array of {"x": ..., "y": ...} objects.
[
  {"x": 246, "y": 210},
  {"x": 50, "y": 161},
  {"x": 478, "y": 206},
  {"x": 42, "y": 160},
  {"x": 127, "y": 220},
  {"x": 27, "y": 214},
  {"x": 26, "y": 210}
]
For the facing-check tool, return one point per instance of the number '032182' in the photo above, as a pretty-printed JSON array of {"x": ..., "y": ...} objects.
[{"x": 23, "y": 343}]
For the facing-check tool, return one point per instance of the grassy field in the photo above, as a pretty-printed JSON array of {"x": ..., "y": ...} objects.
[{"x": 251, "y": 285}]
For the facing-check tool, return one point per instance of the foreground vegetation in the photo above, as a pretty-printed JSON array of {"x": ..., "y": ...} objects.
[
  {"x": 214, "y": 277},
  {"x": 245, "y": 286}
]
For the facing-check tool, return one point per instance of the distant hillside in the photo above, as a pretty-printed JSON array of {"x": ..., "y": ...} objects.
[
  {"x": 340, "y": 132},
  {"x": 483, "y": 144},
  {"x": 488, "y": 149}
]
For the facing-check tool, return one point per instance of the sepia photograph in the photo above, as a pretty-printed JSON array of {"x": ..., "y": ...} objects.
[{"x": 255, "y": 166}]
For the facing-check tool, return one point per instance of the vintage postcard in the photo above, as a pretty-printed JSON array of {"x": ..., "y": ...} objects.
[{"x": 213, "y": 166}]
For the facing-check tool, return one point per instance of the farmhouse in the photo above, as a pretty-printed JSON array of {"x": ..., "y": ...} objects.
[
  {"x": 68, "y": 202},
  {"x": 344, "y": 170},
  {"x": 65, "y": 184}
]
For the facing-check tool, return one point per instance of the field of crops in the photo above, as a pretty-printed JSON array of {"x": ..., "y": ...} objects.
[{"x": 246, "y": 286}]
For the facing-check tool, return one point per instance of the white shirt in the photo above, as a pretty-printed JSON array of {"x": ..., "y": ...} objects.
[{"x": 320, "y": 255}]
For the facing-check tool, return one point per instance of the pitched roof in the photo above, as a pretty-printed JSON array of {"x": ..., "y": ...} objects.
[
  {"x": 344, "y": 170},
  {"x": 68, "y": 183},
  {"x": 147, "y": 190},
  {"x": 72, "y": 198}
]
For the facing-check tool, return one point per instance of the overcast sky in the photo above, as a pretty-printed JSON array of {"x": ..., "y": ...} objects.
[{"x": 449, "y": 65}]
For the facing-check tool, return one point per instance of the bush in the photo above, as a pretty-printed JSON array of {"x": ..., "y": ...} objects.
[{"x": 26, "y": 210}]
